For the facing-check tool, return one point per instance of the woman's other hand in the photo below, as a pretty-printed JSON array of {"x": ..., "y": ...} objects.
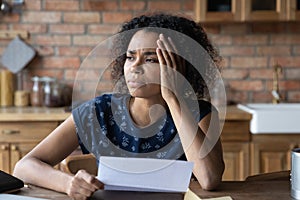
[
  {"x": 83, "y": 185},
  {"x": 171, "y": 67}
]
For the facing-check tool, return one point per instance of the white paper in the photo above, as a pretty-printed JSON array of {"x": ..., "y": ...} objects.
[
  {"x": 144, "y": 174},
  {"x": 17, "y": 197}
]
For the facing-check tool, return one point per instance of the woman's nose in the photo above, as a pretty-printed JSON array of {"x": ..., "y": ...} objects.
[{"x": 137, "y": 66}]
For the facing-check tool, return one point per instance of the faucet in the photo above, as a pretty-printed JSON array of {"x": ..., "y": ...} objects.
[{"x": 277, "y": 69}]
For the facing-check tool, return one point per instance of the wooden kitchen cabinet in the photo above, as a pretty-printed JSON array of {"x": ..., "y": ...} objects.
[
  {"x": 235, "y": 139},
  {"x": 294, "y": 12},
  {"x": 257, "y": 10},
  {"x": 21, "y": 129},
  {"x": 4, "y": 157},
  {"x": 236, "y": 158},
  {"x": 217, "y": 10},
  {"x": 272, "y": 152},
  {"x": 246, "y": 10}
]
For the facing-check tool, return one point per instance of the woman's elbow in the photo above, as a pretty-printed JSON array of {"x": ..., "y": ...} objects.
[
  {"x": 18, "y": 169},
  {"x": 210, "y": 184},
  {"x": 212, "y": 181}
]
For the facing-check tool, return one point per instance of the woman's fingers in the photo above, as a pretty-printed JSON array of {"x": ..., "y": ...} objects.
[
  {"x": 83, "y": 185},
  {"x": 91, "y": 180}
]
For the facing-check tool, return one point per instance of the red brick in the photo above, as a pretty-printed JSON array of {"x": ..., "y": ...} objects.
[
  {"x": 58, "y": 74},
  {"x": 96, "y": 5},
  {"x": 250, "y": 40},
  {"x": 296, "y": 50},
  {"x": 132, "y": 5},
  {"x": 90, "y": 75},
  {"x": 268, "y": 27},
  {"x": 212, "y": 28},
  {"x": 62, "y": 5},
  {"x": 286, "y": 39},
  {"x": 45, "y": 50},
  {"x": 238, "y": 96},
  {"x": 167, "y": 5},
  {"x": 246, "y": 85},
  {"x": 221, "y": 40},
  {"x": 82, "y": 17},
  {"x": 293, "y": 96},
  {"x": 237, "y": 50},
  {"x": 55, "y": 40},
  {"x": 116, "y": 17},
  {"x": 88, "y": 40},
  {"x": 42, "y": 17},
  {"x": 235, "y": 73},
  {"x": 262, "y": 97},
  {"x": 11, "y": 18},
  {"x": 89, "y": 87},
  {"x": 249, "y": 62},
  {"x": 273, "y": 50},
  {"x": 224, "y": 62},
  {"x": 4, "y": 26},
  {"x": 31, "y": 28},
  {"x": 235, "y": 29},
  {"x": 286, "y": 61},
  {"x": 66, "y": 28},
  {"x": 102, "y": 29},
  {"x": 61, "y": 62},
  {"x": 261, "y": 74},
  {"x": 70, "y": 74},
  {"x": 189, "y": 5},
  {"x": 73, "y": 51},
  {"x": 289, "y": 85},
  {"x": 33, "y": 5},
  {"x": 293, "y": 73},
  {"x": 293, "y": 27}
]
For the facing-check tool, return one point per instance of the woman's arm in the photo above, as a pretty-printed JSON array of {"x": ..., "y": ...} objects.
[
  {"x": 37, "y": 166},
  {"x": 195, "y": 136},
  {"x": 208, "y": 164}
]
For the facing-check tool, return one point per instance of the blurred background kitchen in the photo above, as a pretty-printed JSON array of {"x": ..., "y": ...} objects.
[
  {"x": 44, "y": 42},
  {"x": 63, "y": 32}
]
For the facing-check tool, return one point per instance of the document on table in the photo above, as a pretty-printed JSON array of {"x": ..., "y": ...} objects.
[
  {"x": 144, "y": 174},
  {"x": 17, "y": 197}
]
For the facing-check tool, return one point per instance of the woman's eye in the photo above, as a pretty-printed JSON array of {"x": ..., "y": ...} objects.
[
  {"x": 130, "y": 58},
  {"x": 152, "y": 60}
]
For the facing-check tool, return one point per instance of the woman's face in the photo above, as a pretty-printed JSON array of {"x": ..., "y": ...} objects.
[{"x": 141, "y": 68}]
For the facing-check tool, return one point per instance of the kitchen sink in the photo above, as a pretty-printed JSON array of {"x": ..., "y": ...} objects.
[{"x": 273, "y": 118}]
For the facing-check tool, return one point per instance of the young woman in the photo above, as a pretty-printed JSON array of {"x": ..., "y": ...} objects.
[{"x": 154, "y": 119}]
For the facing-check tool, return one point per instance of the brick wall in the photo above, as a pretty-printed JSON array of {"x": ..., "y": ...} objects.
[{"x": 64, "y": 31}]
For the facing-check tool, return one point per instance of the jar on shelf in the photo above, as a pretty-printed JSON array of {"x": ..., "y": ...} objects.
[
  {"x": 47, "y": 90},
  {"x": 36, "y": 92}
]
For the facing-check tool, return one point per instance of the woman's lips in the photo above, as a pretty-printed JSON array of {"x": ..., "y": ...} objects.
[{"x": 135, "y": 84}]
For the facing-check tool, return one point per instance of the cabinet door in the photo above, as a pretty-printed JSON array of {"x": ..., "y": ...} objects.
[
  {"x": 293, "y": 9},
  {"x": 236, "y": 158},
  {"x": 271, "y": 156},
  {"x": 257, "y": 10},
  {"x": 217, "y": 10},
  {"x": 17, "y": 151},
  {"x": 4, "y": 157}
]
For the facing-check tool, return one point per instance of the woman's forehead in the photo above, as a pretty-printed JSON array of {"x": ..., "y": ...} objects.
[{"x": 143, "y": 40}]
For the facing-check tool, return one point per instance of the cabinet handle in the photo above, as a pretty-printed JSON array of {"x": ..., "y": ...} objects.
[
  {"x": 10, "y": 132},
  {"x": 4, "y": 147},
  {"x": 13, "y": 147}
]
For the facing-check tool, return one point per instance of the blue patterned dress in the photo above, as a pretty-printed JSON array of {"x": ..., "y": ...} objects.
[{"x": 105, "y": 128}]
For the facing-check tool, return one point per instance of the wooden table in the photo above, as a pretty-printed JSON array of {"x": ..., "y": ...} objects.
[{"x": 238, "y": 190}]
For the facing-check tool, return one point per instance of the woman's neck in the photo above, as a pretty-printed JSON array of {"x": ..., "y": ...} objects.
[{"x": 146, "y": 111}]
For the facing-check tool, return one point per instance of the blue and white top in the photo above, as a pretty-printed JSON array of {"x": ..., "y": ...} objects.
[{"x": 105, "y": 128}]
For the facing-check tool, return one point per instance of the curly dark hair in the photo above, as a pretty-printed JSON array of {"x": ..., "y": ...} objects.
[{"x": 198, "y": 78}]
